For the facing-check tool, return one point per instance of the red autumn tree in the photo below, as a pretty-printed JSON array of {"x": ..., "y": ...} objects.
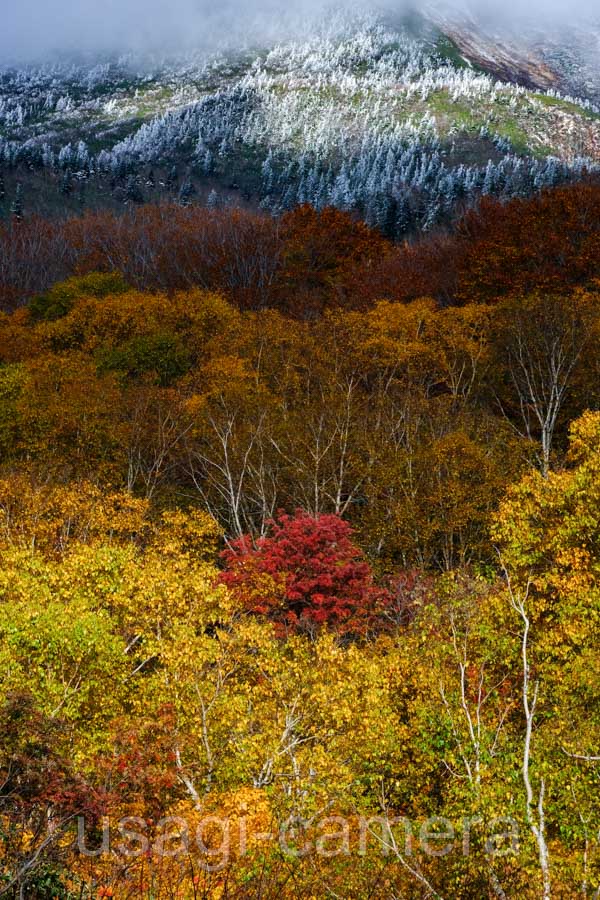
[{"x": 305, "y": 574}]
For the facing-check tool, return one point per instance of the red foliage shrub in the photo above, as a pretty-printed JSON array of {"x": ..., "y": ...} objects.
[{"x": 306, "y": 574}]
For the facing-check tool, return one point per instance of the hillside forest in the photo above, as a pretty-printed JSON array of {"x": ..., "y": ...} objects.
[{"x": 299, "y": 554}]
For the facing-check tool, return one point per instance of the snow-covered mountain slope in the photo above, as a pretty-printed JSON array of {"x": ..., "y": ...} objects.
[
  {"x": 403, "y": 121},
  {"x": 564, "y": 55}
]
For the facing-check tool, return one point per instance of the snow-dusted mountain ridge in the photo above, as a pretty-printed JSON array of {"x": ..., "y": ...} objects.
[{"x": 401, "y": 119}]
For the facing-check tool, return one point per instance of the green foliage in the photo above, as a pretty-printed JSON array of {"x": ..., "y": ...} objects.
[
  {"x": 63, "y": 651},
  {"x": 162, "y": 355},
  {"x": 59, "y": 300}
]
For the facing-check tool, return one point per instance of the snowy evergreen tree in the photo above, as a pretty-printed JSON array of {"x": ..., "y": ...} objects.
[
  {"x": 133, "y": 191},
  {"x": 17, "y": 206},
  {"x": 186, "y": 192}
]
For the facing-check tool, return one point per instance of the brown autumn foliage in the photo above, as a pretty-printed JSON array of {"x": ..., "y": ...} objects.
[{"x": 309, "y": 261}]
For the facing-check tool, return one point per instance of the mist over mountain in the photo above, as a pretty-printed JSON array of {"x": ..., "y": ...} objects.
[{"x": 34, "y": 30}]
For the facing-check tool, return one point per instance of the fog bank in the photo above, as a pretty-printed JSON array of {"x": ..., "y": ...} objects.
[{"x": 34, "y": 29}]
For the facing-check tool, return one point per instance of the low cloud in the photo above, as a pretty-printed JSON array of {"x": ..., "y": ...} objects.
[{"x": 33, "y": 29}]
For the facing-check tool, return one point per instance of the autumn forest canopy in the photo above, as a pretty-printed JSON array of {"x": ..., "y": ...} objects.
[{"x": 299, "y": 542}]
